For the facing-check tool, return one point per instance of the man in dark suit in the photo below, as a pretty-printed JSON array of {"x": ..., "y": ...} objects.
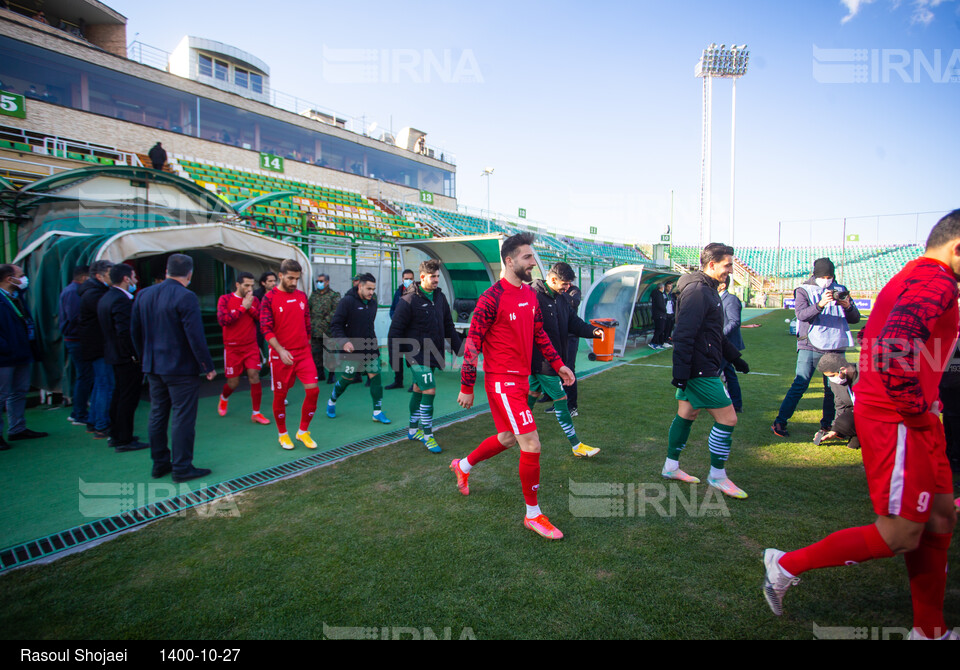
[
  {"x": 113, "y": 311},
  {"x": 91, "y": 348},
  {"x": 168, "y": 336}
]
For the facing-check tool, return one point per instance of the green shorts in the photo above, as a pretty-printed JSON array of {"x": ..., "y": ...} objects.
[
  {"x": 705, "y": 393},
  {"x": 547, "y": 384},
  {"x": 354, "y": 366},
  {"x": 423, "y": 377}
]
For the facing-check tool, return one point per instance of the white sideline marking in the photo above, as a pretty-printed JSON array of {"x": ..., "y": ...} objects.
[{"x": 651, "y": 365}]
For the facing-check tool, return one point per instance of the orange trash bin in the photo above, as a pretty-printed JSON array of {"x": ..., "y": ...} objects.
[{"x": 603, "y": 348}]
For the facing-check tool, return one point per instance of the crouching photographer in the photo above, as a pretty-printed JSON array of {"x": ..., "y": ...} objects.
[{"x": 842, "y": 374}]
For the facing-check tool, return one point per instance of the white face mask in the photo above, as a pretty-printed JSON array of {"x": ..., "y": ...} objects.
[
  {"x": 24, "y": 283},
  {"x": 838, "y": 380},
  {"x": 824, "y": 282}
]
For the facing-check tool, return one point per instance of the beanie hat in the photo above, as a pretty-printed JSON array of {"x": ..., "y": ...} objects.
[{"x": 823, "y": 267}]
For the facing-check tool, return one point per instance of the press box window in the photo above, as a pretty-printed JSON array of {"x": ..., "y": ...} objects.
[
  {"x": 221, "y": 70},
  {"x": 240, "y": 77},
  {"x": 206, "y": 66}
]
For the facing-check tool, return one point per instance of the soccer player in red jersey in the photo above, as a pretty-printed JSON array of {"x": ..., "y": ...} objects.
[
  {"x": 238, "y": 314},
  {"x": 285, "y": 323},
  {"x": 506, "y": 324},
  {"x": 905, "y": 347}
]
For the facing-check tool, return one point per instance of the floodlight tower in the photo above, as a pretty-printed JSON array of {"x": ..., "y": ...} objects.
[
  {"x": 488, "y": 172},
  {"x": 717, "y": 61}
]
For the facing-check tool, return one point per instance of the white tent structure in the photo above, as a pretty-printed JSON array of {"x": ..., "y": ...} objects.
[{"x": 237, "y": 247}]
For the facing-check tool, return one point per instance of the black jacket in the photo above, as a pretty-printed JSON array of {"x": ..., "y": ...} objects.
[
  {"x": 419, "y": 318},
  {"x": 113, "y": 312},
  {"x": 167, "y": 331},
  {"x": 91, "y": 337},
  {"x": 559, "y": 322},
  {"x": 354, "y": 320},
  {"x": 699, "y": 346},
  {"x": 658, "y": 304}
]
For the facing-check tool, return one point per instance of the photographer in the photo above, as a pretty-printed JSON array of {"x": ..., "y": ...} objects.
[
  {"x": 825, "y": 312},
  {"x": 843, "y": 375}
]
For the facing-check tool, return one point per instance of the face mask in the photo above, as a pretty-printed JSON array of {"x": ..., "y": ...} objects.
[
  {"x": 824, "y": 282},
  {"x": 24, "y": 283},
  {"x": 838, "y": 380},
  {"x": 131, "y": 288},
  {"x": 320, "y": 285},
  {"x": 407, "y": 283}
]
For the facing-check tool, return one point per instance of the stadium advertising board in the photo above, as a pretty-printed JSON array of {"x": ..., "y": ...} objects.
[{"x": 862, "y": 304}]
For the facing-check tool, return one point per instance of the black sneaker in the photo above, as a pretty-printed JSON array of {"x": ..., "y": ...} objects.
[
  {"x": 574, "y": 412},
  {"x": 131, "y": 446},
  {"x": 550, "y": 410},
  {"x": 3, "y": 444},
  {"x": 780, "y": 429},
  {"x": 25, "y": 434},
  {"x": 161, "y": 470},
  {"x": 195, "y": 473},
  {"x": 544, "y": 398},
  {"x": 394, "y": 385}
]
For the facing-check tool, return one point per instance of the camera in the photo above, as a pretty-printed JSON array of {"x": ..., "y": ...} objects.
[{"x": 841, "y": 295}]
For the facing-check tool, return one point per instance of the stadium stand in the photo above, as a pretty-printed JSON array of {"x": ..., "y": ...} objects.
[
  {"x": 318, "y": 209},
  {"x": 862, "y": 267}
]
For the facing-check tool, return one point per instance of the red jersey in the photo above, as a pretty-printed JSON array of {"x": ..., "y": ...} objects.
[
  {"x": 506, "y": 324},
  {"x": 907, "y": 343},
  {"x": 239, "y": 324},
  {"x": 286, "y": 316}
]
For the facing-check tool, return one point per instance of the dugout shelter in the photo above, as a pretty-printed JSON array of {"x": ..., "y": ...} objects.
[{"x": 624, "y": 294}]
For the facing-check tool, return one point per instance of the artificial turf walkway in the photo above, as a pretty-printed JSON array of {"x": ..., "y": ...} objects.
[{"x": 68, "y": 479}]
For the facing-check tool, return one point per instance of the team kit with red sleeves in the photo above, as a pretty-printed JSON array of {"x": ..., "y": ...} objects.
[
  {"x": 240, "y": 351},
  {"x": 286, "y": 316}
]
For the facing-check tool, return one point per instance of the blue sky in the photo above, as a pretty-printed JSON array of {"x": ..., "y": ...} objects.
[{"x": 591, "y": 113}]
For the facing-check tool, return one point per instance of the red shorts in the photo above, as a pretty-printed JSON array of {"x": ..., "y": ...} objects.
[
  {"x": 507, "y": 395},
  {"x": 282, "y": 376},
  {"x": 238, "y": 359},
  {"x": 905, "y": 467}
]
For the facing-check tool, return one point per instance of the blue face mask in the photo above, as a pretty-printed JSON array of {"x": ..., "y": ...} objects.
[
  {"x": 132, "y": 288},
  {"x": 407, "y": 283},
  {"x": 320, "y": 285}
]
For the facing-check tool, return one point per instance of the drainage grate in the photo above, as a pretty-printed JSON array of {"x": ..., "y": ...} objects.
[{"x": 19, "y": 555}]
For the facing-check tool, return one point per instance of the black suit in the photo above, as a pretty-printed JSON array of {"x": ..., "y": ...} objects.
[
  {"x": 168, "y": 335},
  {"x": 113, "y": 312}
]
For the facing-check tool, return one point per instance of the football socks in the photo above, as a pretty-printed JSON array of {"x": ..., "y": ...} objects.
[
  {"x": 529, "y": 476},
  {"x": 677, "y": 438},
  {"x": 309, "y": 408},
  {"x": 720, "y": 440},
  {"x": 426, "y": 413},
  {"x": 844, "y": 547},
  {"x": 927, "y": 567},
  {"x": 415, "y": 398}
]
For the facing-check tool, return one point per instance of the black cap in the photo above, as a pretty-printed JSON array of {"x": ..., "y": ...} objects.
[{"x": 823, "y": 267}]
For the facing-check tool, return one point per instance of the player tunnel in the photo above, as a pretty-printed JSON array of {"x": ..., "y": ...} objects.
[
  {"x": 140, "y": 217},
  {"x": 624, "y": 294},
  {"x": 469, "y": 266}
]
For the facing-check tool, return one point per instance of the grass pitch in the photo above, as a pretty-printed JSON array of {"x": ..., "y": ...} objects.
[{"x": 384, "y": 539}]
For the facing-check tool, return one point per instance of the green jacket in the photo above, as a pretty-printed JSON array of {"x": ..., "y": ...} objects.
[{"x": 322, "y": 306}]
